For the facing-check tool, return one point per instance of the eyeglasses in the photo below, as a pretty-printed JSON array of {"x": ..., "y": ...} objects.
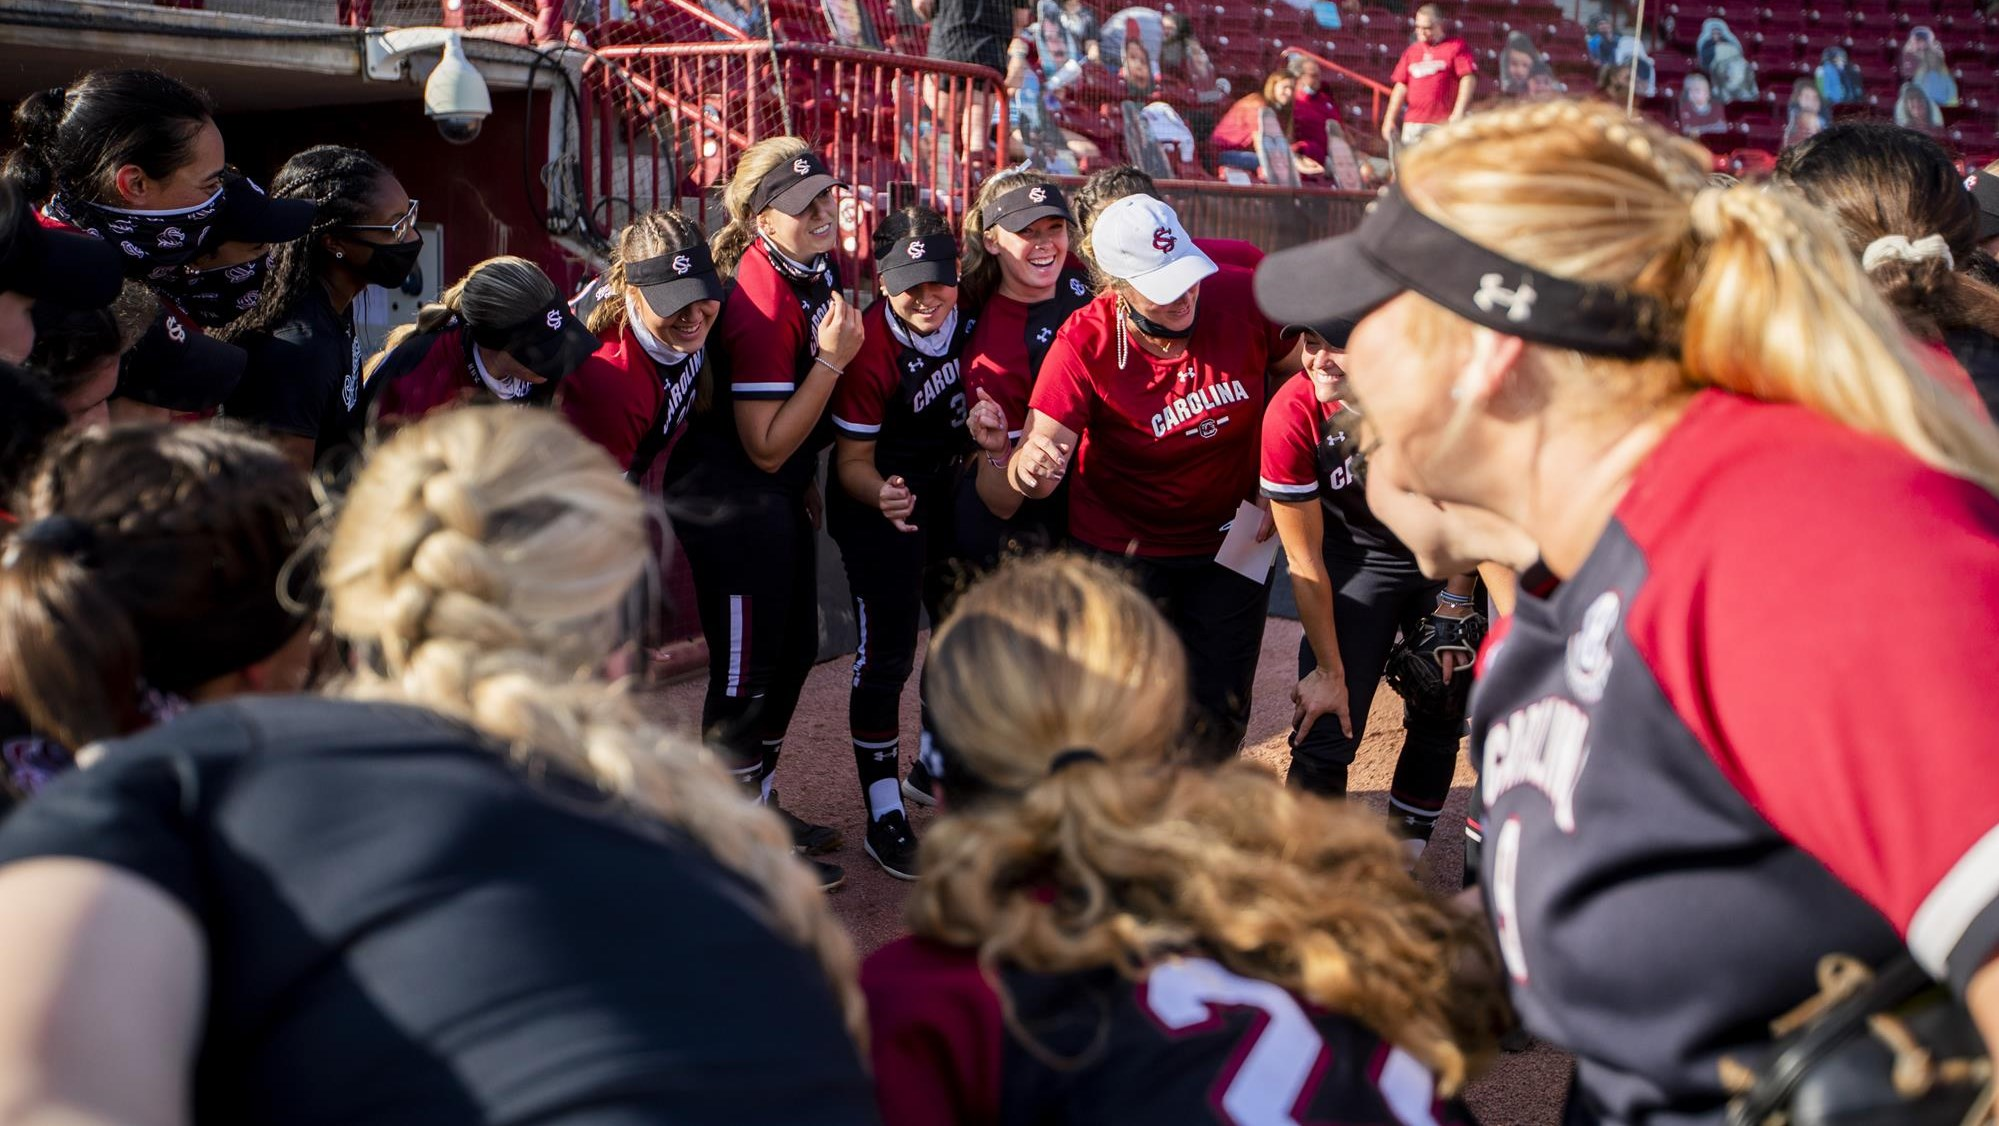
[{"x": 399, "y": 229}]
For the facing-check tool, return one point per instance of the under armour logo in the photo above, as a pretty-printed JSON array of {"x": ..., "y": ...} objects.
[
  {"x": 1163, "y": 240},
  {"x": 1518, "y": 303},
  {"x": 914, "y": 366},
  {"x": 1038, "y": 195},
  {"x": 802, "y": 166},
  {"x": 554, "y": 319},
  {"x": 682, "y": 263},
  {"x": 175, "y": 332},
  {"x": 915, "y": 249}
]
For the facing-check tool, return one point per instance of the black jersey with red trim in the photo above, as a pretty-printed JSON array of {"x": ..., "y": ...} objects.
[
  {"x": 909, "y": 404},
  {"x": 1192, "y": 1044},
  {"x": 1005, "y": 353},
  {"x": 629, "y": 403},
  {"x": 767, "y": 339},
  {"x": 1309, "y": 451},
  {"x": 1753, "y": 728}
]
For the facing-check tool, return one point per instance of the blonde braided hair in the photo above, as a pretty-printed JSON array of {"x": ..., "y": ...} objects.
[{"x": 484, "y": 555}]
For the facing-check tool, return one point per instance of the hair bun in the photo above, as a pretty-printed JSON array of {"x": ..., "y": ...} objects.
[{"x": 62, "y": 535}]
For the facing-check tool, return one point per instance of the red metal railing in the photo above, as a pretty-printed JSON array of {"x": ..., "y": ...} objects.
[{"x": 1331, "y": 67}]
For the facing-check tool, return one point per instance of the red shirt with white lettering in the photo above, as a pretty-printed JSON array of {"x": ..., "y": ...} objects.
[
  {"x": 1431, "y": 72},
  {"x": 1167, "y": 448}
]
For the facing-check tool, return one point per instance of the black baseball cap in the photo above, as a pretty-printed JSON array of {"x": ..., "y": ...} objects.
[
  {"x": 914, "y": 261},
  {"x": 674, "y": 280},
  {"x": 551, "y": 343},
  {"x": 1397, "y": 249},
  {"x": 176, "y": 367},
  {"x": 251, "y": 215},
  {"x": 52, "y": 265},
  {"x": 1019, "y": 208},
  {"x": 1984, "y": 187},
  {"x": 792, "y": 186}
]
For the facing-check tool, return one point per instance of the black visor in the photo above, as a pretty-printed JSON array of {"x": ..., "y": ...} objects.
[
  {"x": 550, "y": 343},
  {"x": 1020, "y": 208},
  {"x": 250, "y": 215},
  {"x": 676, "y": 279},
  {"x": 792, "y": 186},
  {"x": 1397, "y": 248},
  {"x": 914, "y": 261}
]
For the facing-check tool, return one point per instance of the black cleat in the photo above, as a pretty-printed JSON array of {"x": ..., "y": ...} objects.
[
  {"x": 832, "y": 877},
  {"x": 893, "y": 845},
  {"x": 919, "y": 787},
  {"x": 807, "y": 838}
]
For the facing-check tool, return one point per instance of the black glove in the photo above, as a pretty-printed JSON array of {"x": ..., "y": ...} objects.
[{"x": 1416, "y": 671}]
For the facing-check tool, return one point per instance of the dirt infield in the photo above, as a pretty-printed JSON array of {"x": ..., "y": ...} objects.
[{"x": 816, "y": 780}]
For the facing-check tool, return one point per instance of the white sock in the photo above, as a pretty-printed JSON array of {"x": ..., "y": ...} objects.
[
  {"x": 769, "y": 781},
  {"x": 884, "y": 798},
  {"x": 1412, "y": 850}
]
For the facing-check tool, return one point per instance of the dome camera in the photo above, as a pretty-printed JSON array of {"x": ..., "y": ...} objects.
[{"x": 455, "y": 97}]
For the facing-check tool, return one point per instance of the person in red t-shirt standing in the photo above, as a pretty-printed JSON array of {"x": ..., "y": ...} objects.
[
  {"x": 1157, "y": 386},
  {"x": 1434, "y": 80}
]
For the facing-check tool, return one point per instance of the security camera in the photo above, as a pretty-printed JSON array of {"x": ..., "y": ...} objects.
[{"x": 455, "y": 96}]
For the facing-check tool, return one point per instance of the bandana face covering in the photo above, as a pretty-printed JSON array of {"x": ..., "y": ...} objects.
[
  {"x": 791, "y": 267},
  {"x": 216, "y": 297},
  {"x": 153, "y": 242}
]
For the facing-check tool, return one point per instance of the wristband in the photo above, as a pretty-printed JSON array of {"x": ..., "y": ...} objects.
[
  {"x": 996, "y": 463},
  {"x": 1449, "y": 599}
]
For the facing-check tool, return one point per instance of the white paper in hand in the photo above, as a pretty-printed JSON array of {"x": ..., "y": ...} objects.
[{"x": 1241, "y": 553}]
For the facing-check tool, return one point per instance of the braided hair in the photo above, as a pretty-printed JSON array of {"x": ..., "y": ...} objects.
[
  {"x": 341, "y": 181},
  {"x": 148, "y": 555}
]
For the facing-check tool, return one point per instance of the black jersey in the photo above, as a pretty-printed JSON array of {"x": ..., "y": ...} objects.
[
  {"x": 910, "y": 403},
  {"x": 404, "y": 927},
  {"x": 1191, "y": 1044},
  {"x": 1309, "y": 451}
]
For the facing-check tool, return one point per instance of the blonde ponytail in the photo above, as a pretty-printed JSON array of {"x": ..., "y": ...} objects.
[
  {"x": 483, "y": 555},
  {"x": 1765, "y": 295},
  {"x": 757, "y": 161}
]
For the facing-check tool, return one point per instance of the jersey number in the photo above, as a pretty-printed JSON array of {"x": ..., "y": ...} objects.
[{"x": 1275, "y": 1078}]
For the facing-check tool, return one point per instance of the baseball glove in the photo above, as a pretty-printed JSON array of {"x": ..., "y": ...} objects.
[{"x": 1417, "y": 674}]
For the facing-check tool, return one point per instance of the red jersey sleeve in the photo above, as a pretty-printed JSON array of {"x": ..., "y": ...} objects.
[
  {"x": 1839, "y": 673},
  {"x": 861, "y": 398},
  {"x": 1064, "y": 391},
  {"x": 1290, "y": 465},
  {"x": 1462, "y": 62},
  {"x": 935, "y": 1035},
  {"x": 612, "y": 403},
  {"x": 762, "y": 332}
]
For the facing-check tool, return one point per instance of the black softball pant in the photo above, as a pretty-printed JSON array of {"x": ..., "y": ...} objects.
[
  {"x": 893, "y": 576},
  {"x": 755, "y": 565},
  {"x": 1219, "y": 616},
  {"x": 1370, "y": 606},
  {"x": 984, "y": 539}
]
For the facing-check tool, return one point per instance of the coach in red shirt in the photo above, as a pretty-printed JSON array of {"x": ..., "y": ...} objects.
[
  {"x": 1434, "y": 80},
  {"x": 1157, "y": 387}
]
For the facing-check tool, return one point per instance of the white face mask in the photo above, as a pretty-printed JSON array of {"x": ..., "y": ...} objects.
[
  {"x": 653, "y": 345},
  {"x": 506, "y": 387}
]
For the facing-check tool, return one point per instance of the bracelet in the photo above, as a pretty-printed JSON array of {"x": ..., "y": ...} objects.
[
  {"x": 1449, "y": 599},
  {"x": 996, "y": 463},
  {"x": 828, "y": 365}
]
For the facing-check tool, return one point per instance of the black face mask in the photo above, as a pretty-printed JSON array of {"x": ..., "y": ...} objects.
[
  {"x": 1154, "y": 329},
  {"x": 216, "y": 297},
  {"x": 390, "y": 264},
  {"x": 153, "y": 242}
]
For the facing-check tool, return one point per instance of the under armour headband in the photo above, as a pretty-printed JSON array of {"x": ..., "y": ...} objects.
[{"x": 1397, "y": 248}]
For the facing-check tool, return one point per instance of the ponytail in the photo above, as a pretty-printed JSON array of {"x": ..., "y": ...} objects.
[
  {"x": 498, "y": 292},
  {"x": 759, "y": 160},
  {"x": 430, "y": 319},
  {"x": 36, "y": 119}
]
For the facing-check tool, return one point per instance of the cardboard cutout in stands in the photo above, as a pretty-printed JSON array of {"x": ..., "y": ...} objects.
[
  {"x": 1273, "y": 151},
  {"x": 1923, "y": 64},
  {"x": 850, "y": 24},
  {"x": 1341, "y": 164},
  {"x": 1839, "y": 80},
  {"x": 1914, "y": 110},
  {"x": 1516, "y": 64},
  {"x": 1169, "y": 131},
  {"x": 1140, "y": 146},
  {"x": 1806, "y": 115},
  {"x": 1646, "y": 81},
  {"x": 746, "y": 17},
  {"x": 1700, "y": 114},
  {"x": 1143, "y": 21},
  {"x": 1727, "y": 67}
]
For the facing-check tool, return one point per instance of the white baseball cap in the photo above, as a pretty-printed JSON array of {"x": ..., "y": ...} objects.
[{"x": 1139, "y": 240}]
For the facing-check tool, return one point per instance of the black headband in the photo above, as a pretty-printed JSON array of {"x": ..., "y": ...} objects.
[{"x": 673, "y": 266}]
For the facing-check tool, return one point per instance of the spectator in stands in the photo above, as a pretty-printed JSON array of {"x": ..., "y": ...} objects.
[
  {"x": 1602, "y": 41},
  {"x": 451, "y": 893},
  {"x": 1700, "y": 114},
  {"x": 973, "y": 31},
  {"x": 1106, "y": 187},
  {"x": 1311, "y": 108},
  {"x": 1915, "y": 110},
  {"x": 1140, "y": 84},
  {"x": 1807, "y": 112},
  {"x": 1516, "y": 64},
  {"x": 1923, "y": 64},
  {"x": 1187, "y": 75},
  {"x": 1839, "y": 80},
  {"x": 1920, "y": 43},
  {"x": 1079, "y": 23},
  {"x": 1042, "y": 64},
  {"x": 1900, "y": 202},
  {"x": 1434, "y": 81},
  {"x": 155, "y": 570},
  {"x": 1235, "y": 136},
  {"x": 1727, "y": 67},
  {"x": 1631, "y": 56},
  {"x": 1542, "y": 83},
  {"x": 305, "y": 359},
  {"x": 1614, "y": 82}
]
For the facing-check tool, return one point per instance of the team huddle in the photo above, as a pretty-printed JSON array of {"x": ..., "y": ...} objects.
[{"x": 335, "y": 812}]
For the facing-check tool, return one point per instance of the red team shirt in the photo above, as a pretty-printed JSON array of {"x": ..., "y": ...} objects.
[
  {"x": 1431, "y": 72},
  {"x": 621, "y": 399},
  {"x": 1749, "y": 731},
  {"x": 1168, "y": 448},
  {"x": 1012, "y": 340}
]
